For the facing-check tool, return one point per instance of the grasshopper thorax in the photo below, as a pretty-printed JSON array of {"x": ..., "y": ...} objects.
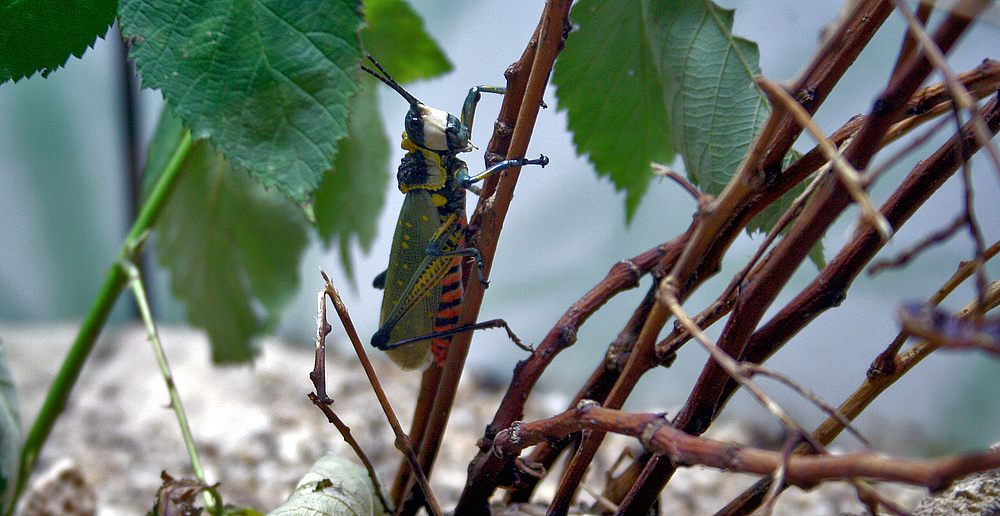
[{"x": 421, "y": 168}]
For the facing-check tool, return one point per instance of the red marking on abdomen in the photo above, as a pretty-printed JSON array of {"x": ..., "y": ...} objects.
[{"x": 448, "y": 310}]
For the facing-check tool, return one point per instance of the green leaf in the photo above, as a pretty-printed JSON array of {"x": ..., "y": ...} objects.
[
  {"x": 232, "y": 250},
  {"x": 768, "y": 217},
  {"x": 267, "y": 82},
  {"x": 10, "y": 435},
  {"x": 333, "y": 486},
  {"x": 606, "y": 81},
  {"x": 40, "y": 35},
  {"x": 707, "y": 74},
  {"x": 351, "y": 196},
  {"x": 395, "y": 36}
]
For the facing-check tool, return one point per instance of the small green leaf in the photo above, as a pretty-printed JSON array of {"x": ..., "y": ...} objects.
[
  {"x": 10, "y": 435},
  {"x": 768, "y": 217},
  {"x": 232, "y": 250},
  {"x": 707, "y": 74},
  {"x": 816, "y": 255},
  {"x": 333, "y": 486},
  {"x": 40, "y": 35},
  {"x": 267, "y": 82},
  {"x": 351, "y": 195},
  {"x": 395, "y": 36},
  {"x": 606, "y": 81}
]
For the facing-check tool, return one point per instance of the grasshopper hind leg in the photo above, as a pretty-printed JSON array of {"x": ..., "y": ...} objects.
[{"x": 382, "y": 336}]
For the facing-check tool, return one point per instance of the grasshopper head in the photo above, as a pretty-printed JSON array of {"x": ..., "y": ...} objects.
[
  {"x": 428, "y": 128},
  {"x": 436, "y": 130}
]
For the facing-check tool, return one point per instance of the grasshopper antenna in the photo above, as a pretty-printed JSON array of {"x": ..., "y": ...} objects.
[{"x": 389, "y": 81}]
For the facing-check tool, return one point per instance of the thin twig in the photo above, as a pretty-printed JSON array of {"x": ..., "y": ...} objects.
[
  {"x": 665, "y": 171},
  {"x": 142, "y": 303},
  {"x": 756, "y": 369},
  {"x": 906, "y": 255},
  {"x": 870, "y": 389},
  {"x": 848, "y": 175},
  {"x": 970, "y": 9},
  {"x": 402, "y": 441},
  {"x": 733, "y": 367},
  {"x": 684, "y": 449}
]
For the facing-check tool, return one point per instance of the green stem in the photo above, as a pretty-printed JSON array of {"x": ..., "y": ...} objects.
[
  {"x": 135, "y": 282},
  {"x": 55, "y": 402}
]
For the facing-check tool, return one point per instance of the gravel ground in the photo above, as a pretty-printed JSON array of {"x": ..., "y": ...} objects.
[{"x": 257, "y": 433}]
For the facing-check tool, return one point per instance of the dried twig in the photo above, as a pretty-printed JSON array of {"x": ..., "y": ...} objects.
[
  {"x": 684, "y": 449},
  {"x": 906, "y": 255},
  {"x": 873, "y": 386},
  {"x": 848, "y": 175},
  {"x": 321, "y": 400}
]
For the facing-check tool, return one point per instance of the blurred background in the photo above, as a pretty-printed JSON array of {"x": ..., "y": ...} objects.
[{"x": 63, "y": 189}]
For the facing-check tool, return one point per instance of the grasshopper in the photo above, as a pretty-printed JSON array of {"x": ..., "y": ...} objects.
[{"x": 423, "y": 283}]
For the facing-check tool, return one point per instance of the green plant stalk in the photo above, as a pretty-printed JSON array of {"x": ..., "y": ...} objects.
[
  {"x": 139, "y": 290},
  {"x": 115, "y": 281}
]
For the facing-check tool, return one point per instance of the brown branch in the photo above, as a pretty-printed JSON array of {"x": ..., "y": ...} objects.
[
  {"x": 624, "y": 275},
  {"x": 488, "y": 218},
  {"x": 980, "y": 80},
  {"x": 704, "y": 252},
  {"x": 527, "y": 372},
  {"x": 757, "y": 296},
  {"x": 598, "y": 388},
  {"x": 830, "y": 201},
  {"x": 872, "y": 387},
  {"x": 831, "y": 285},
  {"x": 685, "y": 450}
]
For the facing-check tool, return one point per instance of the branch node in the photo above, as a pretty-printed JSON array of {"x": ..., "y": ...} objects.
[{"x": 649, "y": 431}]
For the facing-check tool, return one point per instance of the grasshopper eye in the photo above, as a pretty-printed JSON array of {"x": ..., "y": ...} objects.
[{"x": 414, "y": 126}]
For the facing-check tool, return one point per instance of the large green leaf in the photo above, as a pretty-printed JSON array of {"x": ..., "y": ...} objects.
[
  {"x": 707, "y": 74},
  {"x": 40, "y": 35},
  {"x": 606, "y": 81},
  {"x": 10, "y": 434},
  {"x": 267, "y": 81},
  {"x": 351, "y": 196},
  {"x": 231, "y": 247}
]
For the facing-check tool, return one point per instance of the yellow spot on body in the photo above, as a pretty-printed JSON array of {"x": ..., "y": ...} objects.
[
  {"x": 404, "y": 245},
  {"x": 425, "y": 218}
]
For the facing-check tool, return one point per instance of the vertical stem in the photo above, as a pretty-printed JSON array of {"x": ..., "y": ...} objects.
[
  {"x": 142, "y": 303},
  {"x": 62, "y": 386}
]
